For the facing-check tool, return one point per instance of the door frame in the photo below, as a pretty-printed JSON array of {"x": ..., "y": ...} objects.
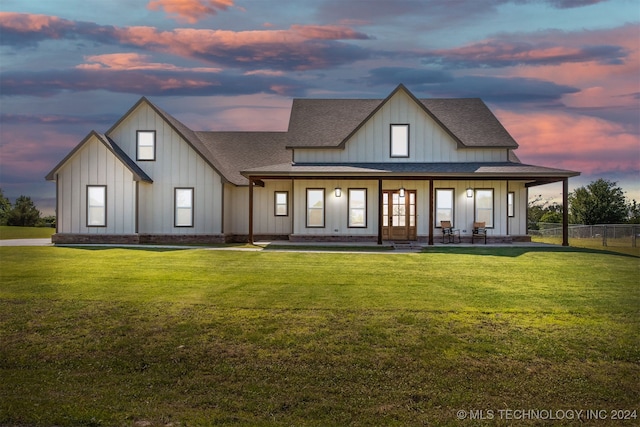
[{"x": 408, "y": 231}]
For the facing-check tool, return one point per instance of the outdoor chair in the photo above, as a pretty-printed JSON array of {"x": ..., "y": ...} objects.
[
  {"x": 479, "y": 232},
  {"x": 449, "y": 232}
]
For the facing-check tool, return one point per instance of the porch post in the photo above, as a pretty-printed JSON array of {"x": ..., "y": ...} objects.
[
  {"x": 565, "y": 212},
  {"x": 250, "y": 211},
  {"x": 431, "y": 208},
  {"x": 380, "y": 213}
]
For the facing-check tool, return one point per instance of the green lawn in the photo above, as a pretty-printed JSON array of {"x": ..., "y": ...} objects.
[
  {"x": 198, "y": 337},
  {"x": 7, "y": 232}
]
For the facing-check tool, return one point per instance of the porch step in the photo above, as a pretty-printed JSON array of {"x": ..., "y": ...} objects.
[{"x": 406, "y": 246}]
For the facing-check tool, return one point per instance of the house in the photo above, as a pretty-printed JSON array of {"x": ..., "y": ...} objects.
[{"x": 345, "y": 170}]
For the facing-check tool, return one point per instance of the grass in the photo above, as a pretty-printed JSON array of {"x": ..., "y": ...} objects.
[
  {"x": 197, "y": 337},
  {"x": 8, "y": 232}
]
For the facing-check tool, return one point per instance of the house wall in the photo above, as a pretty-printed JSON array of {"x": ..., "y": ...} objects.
[
  {"x": 177, "y": 164},
  {"x": 264, "y": 220},
  {"x": 428, "y": 142},
  {"x": 336, "y": 208},
  {"x": 95, "y": 164}
]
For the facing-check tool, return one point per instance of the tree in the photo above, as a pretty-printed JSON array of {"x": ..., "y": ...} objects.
[
  {"x": 601, "y": 202},
  {"x": 541, "y": 210},
  {"x": 5, "y": 208},
  {"x": 24, "y": 213},
  {"x": 634, "y": 212}
]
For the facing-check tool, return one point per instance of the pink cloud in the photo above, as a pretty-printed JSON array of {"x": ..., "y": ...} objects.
[
  {"x": 133, "y": 61},
  {"x": 23, "y": 22},
  {"x": 586, "y": 144},
  {"x": 190, "y": 10}
]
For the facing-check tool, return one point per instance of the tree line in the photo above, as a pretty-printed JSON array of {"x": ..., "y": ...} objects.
[
  {"x": 600, "y": 202},
  {"x": 23, "y": 213}
]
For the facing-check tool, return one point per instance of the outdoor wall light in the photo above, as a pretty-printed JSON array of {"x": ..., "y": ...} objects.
[
  {"x": 338, "y": 191},
  {"x": 401, "y": 192},
  {"x": 469, "y": 192}
]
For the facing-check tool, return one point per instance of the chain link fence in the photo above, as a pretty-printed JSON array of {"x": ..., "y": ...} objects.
[{"x": 623, "y": 235}]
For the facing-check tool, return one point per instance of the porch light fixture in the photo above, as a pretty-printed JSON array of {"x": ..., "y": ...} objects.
[
  {"x": 469, "y": 192},
  {"x": 401, "y": 192},
  {"x": 338, "y": 191}
]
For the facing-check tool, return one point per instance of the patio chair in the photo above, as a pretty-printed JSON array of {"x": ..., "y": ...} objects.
[
  {"x": 479, "y": 232},
  {"x": 449, "y": 232}
]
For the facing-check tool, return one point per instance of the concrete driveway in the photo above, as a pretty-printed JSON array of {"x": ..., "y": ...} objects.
[{"x": 26, "y": 242}]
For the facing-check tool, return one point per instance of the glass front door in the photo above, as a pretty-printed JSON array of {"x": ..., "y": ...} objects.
[{"x": 399, "y": 215}]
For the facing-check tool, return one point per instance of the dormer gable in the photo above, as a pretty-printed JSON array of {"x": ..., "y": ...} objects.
[{"x": 137, "y": 172}]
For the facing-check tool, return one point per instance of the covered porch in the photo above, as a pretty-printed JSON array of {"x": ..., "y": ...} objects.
[{"x": 402, "y": 199}]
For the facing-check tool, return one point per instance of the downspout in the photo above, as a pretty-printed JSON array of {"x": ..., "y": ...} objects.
[
  {"x": 565, "y": 212},
  {"x": 380, "y": 213},
  {"x": 250, "y": 211},
  {"x": 431, "y": 211}
]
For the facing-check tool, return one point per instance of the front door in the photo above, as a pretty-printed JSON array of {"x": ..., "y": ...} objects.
[{"x": 399, "y": 215}]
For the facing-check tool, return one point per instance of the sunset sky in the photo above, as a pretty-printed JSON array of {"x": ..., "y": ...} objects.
[{"x": 563, "y": 76}]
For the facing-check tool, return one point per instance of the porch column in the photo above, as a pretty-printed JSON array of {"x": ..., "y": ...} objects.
[
  {"x": 250, "y": 211},
  {"x": 431, "y": 211},
  {"x": 380, "y": 213},
  {"x": 565, "y": 212}
]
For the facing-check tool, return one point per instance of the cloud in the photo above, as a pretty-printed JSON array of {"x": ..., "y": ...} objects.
[
  {"x": 56, "y": 119},
  {"x": 134, "y": 61},
  {"x": 490, "y": 89},
  {"x": 507, "y": 52},
  {"x": 301, "y": 47},
  {"x": 190, "y": 10},
  {"x": 586, "y": 144},
  {"x": 145, "y": 82}
]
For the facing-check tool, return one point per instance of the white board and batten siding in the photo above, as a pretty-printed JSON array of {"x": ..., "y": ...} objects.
[
  {"x": 176, "y": 165},
  {"x": 264, "y": 219},
  {"x": 428, "y": 142},
  {"x": 95, "y": 164},
  {"x": 336, "y": 208}
]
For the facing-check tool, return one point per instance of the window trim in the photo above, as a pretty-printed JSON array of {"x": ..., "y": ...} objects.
[
  {"x": 391, "y": 144},
  {"x": 511, "y": 204},
  {"x": 453, "y": 206},
  {"x": 175, "y": 207},
  {"x": 88, "y": 206},
  {"x": 324, "y": 212},
  {"x": 493, "y": 206},
  {"x": 138, "y": 132},
  {"x": 276, "y": 204},
  {"x": 349, "y": 208}
]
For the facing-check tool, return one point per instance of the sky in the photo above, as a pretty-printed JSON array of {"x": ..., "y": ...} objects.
[{"x": 563, "y": 76}]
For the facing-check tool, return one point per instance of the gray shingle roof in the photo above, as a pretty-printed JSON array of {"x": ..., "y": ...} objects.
[
  {"x": 237, "y": 151},
  {"x": 319, "y": 123},
  {"x": 477, "y": 169}
]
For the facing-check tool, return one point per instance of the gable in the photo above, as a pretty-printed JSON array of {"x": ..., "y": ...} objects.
[
  {"x": 92, "y": 142},
  {"x": 429, "y": 139}
]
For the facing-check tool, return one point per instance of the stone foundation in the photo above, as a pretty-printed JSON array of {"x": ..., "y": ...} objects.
[
  {"x": 136, "y": 239},
  {"x": 89, "y": 239},
  {"x": 310, "y": 238}
]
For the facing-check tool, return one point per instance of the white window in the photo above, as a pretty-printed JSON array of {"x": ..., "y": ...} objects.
[
  {"x": 399, "y": 140},
  {"x": 510, "y": 204},
  {"x": 146, "y": 142},
  {"x": 444, "y": 205},
  {"x": 281, "y": 203},
  {"x": 357, "y": 207},
  {"x": 484, "y": 207},
  {"x": 315, "y": 207},
  {"x": 96, "y": 205},
  {"x": 184, "y": 207}
]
